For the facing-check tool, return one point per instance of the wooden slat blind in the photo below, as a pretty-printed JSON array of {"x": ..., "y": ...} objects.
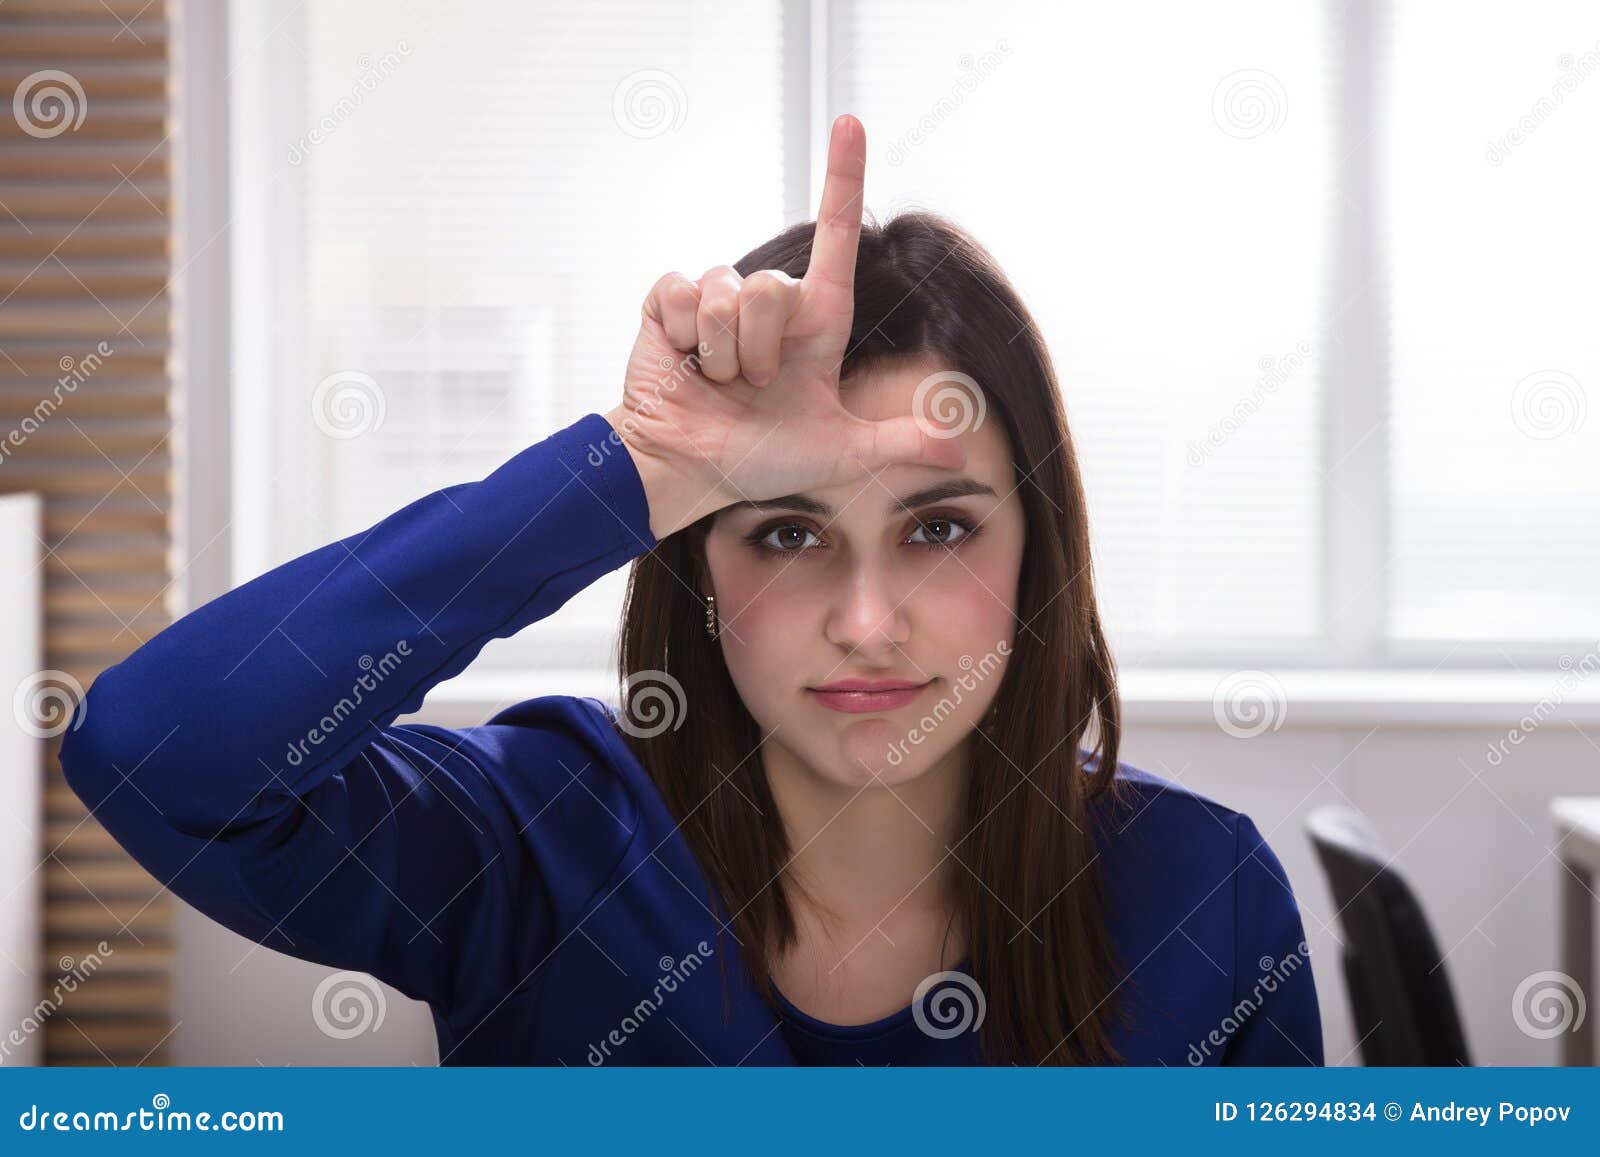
[{"x": 86, "y": 244}]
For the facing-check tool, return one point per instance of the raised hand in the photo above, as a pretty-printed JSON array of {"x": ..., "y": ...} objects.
[{"x": 732, "y": 389}]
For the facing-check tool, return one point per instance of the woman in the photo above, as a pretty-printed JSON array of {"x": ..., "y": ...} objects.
[{"x": 842, "y": 815}]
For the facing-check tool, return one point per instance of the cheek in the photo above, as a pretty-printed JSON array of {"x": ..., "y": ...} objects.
[
  {"x": 766, "y": 613},
  {"x": 976, "y": 595}
]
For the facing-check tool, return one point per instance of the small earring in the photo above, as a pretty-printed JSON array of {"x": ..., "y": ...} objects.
[{"x": 711, "y": 616}]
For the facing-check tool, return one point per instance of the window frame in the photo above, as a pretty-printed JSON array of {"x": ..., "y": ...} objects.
[{"x": 1354, "y": 669}]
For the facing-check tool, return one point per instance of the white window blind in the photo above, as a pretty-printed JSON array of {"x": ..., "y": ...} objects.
[
  {"x": 1154, "y": 178},
  {"x": 467, "y": 203},
  {"x": 1494, "y": 180},
  {"x": 461, "y": 206}
]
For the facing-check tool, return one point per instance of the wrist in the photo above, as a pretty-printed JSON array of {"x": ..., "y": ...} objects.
[{"x": 675, "y": 498}]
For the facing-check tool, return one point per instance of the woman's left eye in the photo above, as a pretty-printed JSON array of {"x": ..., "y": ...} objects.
[{"x": 944, "y": 532}]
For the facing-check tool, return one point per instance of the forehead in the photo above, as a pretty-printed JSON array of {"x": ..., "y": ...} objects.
[{"x": 926, "y": 386}]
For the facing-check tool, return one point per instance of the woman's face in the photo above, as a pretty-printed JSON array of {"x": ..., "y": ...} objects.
[{"x": 848, "y": 583}]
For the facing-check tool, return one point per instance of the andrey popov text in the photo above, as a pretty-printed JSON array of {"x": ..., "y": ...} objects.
[{"x": 1450, "y": 1112}]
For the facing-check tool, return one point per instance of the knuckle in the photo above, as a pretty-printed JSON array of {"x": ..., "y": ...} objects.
[
  {"x": 683, "y": 293},
  {"x": 765, "y": 289},
  {"x": 721, "y": 275},
  {"x": 719, "y": 301},
  {"x": 671, "y": 292}
]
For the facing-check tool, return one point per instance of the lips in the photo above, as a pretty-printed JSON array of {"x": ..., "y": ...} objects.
[{"x": 866, "y": 696}]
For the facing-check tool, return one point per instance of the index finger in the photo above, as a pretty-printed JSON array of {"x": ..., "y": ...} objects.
[{"x": 833, "y": 248}]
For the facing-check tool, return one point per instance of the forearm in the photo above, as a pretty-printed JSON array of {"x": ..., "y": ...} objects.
[{"x": 278, "y": 682}]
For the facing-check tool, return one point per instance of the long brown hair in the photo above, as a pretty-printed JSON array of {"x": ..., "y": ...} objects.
[{"x": 923, "y": 286}]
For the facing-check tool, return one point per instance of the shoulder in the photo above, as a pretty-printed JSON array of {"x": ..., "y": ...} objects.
[
  {"x": 1160, "y": 817},
  {"x": 565, "y": 772},
  {"x": 1196, "y": 891},
  {"x": 1158, "y": 828},
  {"x": 554, "y": 725}
]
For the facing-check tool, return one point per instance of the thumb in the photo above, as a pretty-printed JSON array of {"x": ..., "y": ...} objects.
[{"x": 904, "y": 441}]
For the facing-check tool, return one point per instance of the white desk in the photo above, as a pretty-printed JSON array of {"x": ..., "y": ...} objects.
[
  {"x": 1577, "y": 822},
  {"x": 21, "y": 772}
]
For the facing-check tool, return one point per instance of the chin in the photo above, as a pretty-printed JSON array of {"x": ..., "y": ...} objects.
[{"x": 874, "y": 751}]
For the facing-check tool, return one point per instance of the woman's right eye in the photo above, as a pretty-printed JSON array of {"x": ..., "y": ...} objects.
[{"x": 787, "y": 539}]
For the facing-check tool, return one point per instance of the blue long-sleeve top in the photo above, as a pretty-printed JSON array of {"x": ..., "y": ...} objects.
[{"x": 524, "y": 877}]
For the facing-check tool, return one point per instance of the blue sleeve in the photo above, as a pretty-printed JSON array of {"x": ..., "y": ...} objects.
[
  {"x": 1275, "y": 1011},
  {"x": 247, "y": 755}
]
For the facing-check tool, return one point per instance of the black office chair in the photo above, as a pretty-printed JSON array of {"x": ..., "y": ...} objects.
[{"x": 1400, "y": 995}]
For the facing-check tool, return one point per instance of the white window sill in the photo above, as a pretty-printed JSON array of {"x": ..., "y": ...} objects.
[{"x": 1418, "y": 697}]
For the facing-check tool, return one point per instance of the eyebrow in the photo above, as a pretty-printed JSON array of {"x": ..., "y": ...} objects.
[{"x": 927, "y": 496}]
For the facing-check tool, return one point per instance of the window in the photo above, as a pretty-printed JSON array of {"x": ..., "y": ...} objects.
[
  {"x": 1324, "y": 357},
  {"x": 1493, "y": 182},
  {"x": 462, "y": 208}
]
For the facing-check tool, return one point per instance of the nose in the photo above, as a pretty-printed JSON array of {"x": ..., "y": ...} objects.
[{"x": 868, "y": 614}]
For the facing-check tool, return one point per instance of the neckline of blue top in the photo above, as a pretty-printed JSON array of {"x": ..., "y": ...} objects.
[{"x": 853, "y": 1032}]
